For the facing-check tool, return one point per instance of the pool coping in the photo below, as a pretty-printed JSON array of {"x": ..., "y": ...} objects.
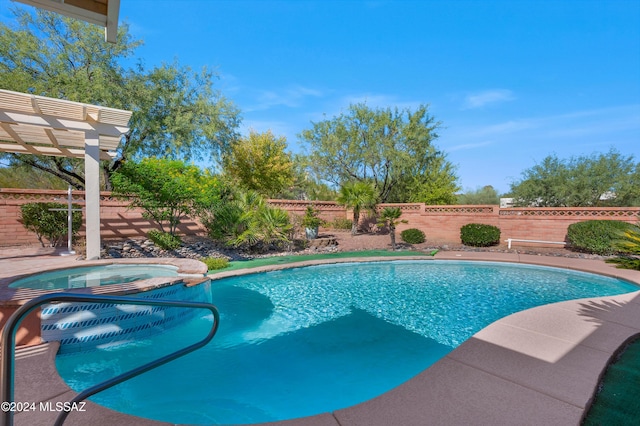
[
  {"x": 193, "y": 271},
  {"x": 539, "y": 366}
]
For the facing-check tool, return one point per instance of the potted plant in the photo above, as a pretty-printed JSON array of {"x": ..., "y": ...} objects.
[{"x": 311, "y": 222}]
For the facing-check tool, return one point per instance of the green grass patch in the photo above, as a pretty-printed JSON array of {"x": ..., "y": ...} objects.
[
  {"x": 617, "y": 402},
  {"x": 280, "y": 260}
]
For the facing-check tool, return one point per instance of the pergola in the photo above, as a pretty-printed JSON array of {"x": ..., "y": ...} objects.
[
  {"x": 100, "y": 12},
  {"x": 38, "y": 125}
]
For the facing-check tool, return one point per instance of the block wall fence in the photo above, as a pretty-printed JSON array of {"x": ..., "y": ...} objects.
[{"x": 441, "y": 224}]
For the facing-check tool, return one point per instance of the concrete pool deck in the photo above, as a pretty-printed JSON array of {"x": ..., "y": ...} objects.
[{"x": 539, "y": 366}]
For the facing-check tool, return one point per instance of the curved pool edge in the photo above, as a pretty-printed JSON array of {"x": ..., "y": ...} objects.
[
  {"x": 537, "y": 366},
  {"x": 35, "y": 365},
  {"x": 190, "y": 269},
  {"x": 594, "y": 266}
]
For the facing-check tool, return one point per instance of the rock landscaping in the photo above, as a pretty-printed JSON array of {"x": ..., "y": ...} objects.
[
  {"x": 200, "y": 247},
  {"x": 191, "y": 248}
]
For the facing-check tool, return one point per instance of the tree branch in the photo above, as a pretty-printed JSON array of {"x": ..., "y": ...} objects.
[{"x": 67, "y": 177}]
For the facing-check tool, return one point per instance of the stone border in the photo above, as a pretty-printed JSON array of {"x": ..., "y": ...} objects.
[{"x": 192, "y": 273}]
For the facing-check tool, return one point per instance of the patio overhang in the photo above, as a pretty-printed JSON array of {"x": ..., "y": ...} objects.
[
  {"x": 100, "y": 12},
  {"x": 38, "y": 125}
]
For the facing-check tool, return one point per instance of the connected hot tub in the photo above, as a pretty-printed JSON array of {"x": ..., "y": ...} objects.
[
  {"x": 88, "y": 326},
  {"x": 91, "y": 276}
]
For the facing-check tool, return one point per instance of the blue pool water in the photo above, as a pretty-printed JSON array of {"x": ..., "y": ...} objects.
[
  {"x": 310, "y": 340},
  {"x": 94, "y": 276}
]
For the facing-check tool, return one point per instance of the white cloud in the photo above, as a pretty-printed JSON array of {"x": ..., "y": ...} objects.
[
  {"x": 278, "y": 128},
  {"x": 376, "y": 100},
  {"x": 511, "y": 126},
  {"x": 292, "y": 96},
  {"x": 571, "y": 133},
  {"x": 466, "y": 146},
  {"x": 333, "y": 107},
  {"x": 480, "y": 99},
  {"x": 229, "y": 83}
]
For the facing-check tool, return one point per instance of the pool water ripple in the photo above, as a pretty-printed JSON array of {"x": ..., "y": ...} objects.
[{"x": 309, "y": 340}]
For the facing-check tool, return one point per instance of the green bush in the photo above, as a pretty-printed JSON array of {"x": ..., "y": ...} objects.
[
  {"x": 412, "y": 236},
  {"x": 626, "y": 262},
  {"x": 52, "y": 225},
  {"x": 214, "y": 263},
  {"x": 165, "y": 190},
  {"x": 596, "y": 236},
  {"x": 479, "y": 235},
  {"x": 244, "y": 219},
  {"x": 342, "y": 223},
  {"x": 164, "y": 240}
]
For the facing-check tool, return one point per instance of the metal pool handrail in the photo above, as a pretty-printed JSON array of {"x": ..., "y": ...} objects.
[{"x": 7, "y": 340}]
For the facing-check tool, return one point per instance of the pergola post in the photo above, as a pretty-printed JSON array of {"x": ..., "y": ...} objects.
[
  {"x": 31, "y": 124},
  {"x": 92, "y": 193}
]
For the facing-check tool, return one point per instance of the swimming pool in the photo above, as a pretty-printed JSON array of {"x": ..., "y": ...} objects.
[
  {"x": 91, "y": 276},
  {"x": 309, "y": 340}
]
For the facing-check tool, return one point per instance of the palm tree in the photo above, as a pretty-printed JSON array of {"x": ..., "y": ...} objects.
[
  {"x": 245, "y": 219},
  {"x": 389, "y": 217},
  {"x": 357, "y": 196}
]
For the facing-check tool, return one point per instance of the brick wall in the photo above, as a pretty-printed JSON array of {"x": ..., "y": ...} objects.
[
  {"x": 329, "y": 210},
  {"x": 443, "y": 223},
  {"x": 116, "y": 220},
  {"x": 439, "y": 223}
]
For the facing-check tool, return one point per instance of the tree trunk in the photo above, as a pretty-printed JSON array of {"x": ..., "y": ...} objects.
[
  {"x": 356, "y": 219},
  {"x": 392, "y": 233}
]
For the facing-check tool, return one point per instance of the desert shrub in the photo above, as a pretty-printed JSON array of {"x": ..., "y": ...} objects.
[
  {"x": 214, "y": 263},
  {"x": 52, "y": 225},
  {"x": 164, "y": 240},
  {"x": 629, "y": 241},
  {"x": 625, "y": 262},
  {"x": 597, "y": 236},
  {"x": 244, "y": 219},
  {"x": 629, "y": 245},
  {"x": 341, "y": 223},
  {"x": 412, "y": 236},
  {"x": 166, "y": 190},
  {"x": 479, "y": 235}
]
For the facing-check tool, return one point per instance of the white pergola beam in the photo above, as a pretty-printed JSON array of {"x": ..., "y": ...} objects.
[
  {"x": 38, "y": 125},
  {"x": 104, "y": 13},
  {"x": 50, "y": 151},
  {"x": 111, "y": 28}
]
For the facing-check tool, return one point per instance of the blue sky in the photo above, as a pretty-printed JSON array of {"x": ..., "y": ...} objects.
[{"x": 512, "y": 81}]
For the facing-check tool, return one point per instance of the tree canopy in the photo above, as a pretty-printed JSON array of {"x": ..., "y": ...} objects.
[
  {"x": 307, "y": 186},
  {"x": 391, "y": 148},
  {"x": 609, "y": 179},
  {"x": 176, "y": 111},
  {"x": 482, "y": 195},
  {"x": 260, "y": 163},
  {"x": 24, "y": 176}
]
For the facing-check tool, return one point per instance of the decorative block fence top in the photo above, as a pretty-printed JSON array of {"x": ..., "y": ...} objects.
[
  {"x": 440, "y": 223},
  {"x": 591, "y": 212}
]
